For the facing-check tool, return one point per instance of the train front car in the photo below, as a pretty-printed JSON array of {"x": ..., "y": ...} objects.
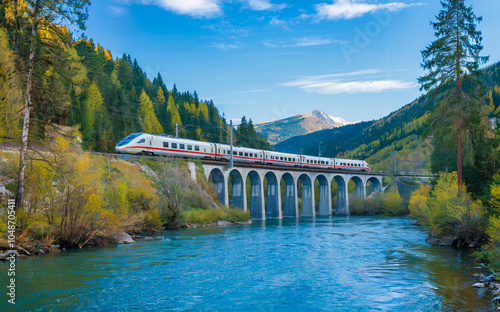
[
  {"x": 134, "y": 143},
  {"x": 366, "y": 167}
]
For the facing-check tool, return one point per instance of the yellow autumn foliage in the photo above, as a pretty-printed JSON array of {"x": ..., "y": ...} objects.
[
  {"x": 419, "y": 203},
  {"x": 449, "y": 210},
  {"x": 65, "y": 188}
]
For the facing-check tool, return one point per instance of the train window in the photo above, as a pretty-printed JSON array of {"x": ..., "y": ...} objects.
[
  {"x": 196, "y": 148},
  {"x": 246, "y": 154},
  {"x": 293, "y": 159},
  {"x": 272, "y": 157},
  {"x": 204, "y": 149},
  {"x": 235, "y": 153},
  {"x": 281, "y": 158},
  {"x": 182, "y": 146},
  {"x": 241, "y": 153},
  {"x": 142, "y": 141},
  {"x": 165, "y": 144},
  {"x": 190, "y": 147},
  {"x": 174, "y": 145},
  {"x": 289, "y": 159}
]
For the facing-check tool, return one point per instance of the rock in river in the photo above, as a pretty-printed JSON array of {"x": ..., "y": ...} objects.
[{"x": 123, "y": 238}]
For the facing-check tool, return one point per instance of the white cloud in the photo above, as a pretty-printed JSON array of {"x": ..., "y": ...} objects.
[
  {"x": 344, "y": 83},
  {"x": 264, "y": 5},
  {"x": 117, "y": 11},
  {"x": 279, "y": 23},
  {"x": 195, "y": 8},
  {"x": 301, "y": 42},
  {"x": 222, "y": 46},
  {"x": 349, "y": 9},
  {"x": 308, "y": 42}
]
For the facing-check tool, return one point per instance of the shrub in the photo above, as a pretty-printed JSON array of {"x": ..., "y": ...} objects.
[
  {"x": 419, "y": 204},
  {"x": 393, "y": 204},
  {"x": 366, "y": 207},
  {"x": 208, "y": 216},
  {"x": 450, "y": 211},
  {"x": 389, "y": 203}
]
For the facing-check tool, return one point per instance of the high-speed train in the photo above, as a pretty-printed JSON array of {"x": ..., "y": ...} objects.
[{"x": 163, "y": 145}]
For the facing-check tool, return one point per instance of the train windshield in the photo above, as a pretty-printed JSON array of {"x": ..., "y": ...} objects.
[{"x": 129, "y": 138}]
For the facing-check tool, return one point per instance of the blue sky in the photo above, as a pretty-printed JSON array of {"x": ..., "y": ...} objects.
[{"x": 271, "y": 59}]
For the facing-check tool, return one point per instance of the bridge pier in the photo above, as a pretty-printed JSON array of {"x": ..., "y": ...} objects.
[
  {"x": 307, "y": 207},
  {"x": 273, "y": 202},
  {"x": 290, "y": 203},
  {"x": 238, "y": 190},
  {"x": 342, "y": 206},
  {"x": 325, "y": 197},
  {"x": 257, "y": 208}
]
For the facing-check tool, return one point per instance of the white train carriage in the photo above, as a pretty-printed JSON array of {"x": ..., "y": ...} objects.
[
  {"x": 351, "y": 165},
  {"x": 147, "y": 144},
  {"x": 282, "y": 159},
  {"x": 240, "y": 154},
  {"x": 318, "y": 162}
]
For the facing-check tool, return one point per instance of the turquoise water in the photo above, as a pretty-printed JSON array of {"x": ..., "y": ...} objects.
[{"x": 330, "y": 264}]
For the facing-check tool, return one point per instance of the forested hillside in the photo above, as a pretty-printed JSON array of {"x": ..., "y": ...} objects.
[
  {"x": 80, "y": 84},
  {"x": 402, "y": 131}
]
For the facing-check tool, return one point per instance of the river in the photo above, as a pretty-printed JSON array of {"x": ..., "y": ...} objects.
[{"x": 326, "y": 264}]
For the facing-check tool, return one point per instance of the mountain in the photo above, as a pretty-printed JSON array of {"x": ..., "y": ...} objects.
[
  {"x": 334, "y": 121},
  {"x": 401, "y": 131},
  {"x": 279, "y": 130}
]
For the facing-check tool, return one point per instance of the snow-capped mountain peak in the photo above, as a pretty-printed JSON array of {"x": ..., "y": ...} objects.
[{"x": 335, "y": 121}]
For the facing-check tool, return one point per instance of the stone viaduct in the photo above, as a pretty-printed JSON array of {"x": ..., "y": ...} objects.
[{"x": 267, "y": 203}]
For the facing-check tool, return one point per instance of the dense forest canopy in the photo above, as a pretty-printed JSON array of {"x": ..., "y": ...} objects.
[{"x": 82, "y": 85}]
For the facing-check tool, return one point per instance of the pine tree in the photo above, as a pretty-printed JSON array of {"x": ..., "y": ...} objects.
[
  {"x": 148, "y": 120},
  {"x": 92, "y": 108},
  {"x": 451, "y": 59},
  {"x": 173, "y": 116}
]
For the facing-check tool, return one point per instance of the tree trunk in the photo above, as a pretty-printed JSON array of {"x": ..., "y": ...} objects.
[
  {"x": 459, "y": 143},
  {"x": 459, "y": 115},
  {"x": 27, "y": 111}
]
